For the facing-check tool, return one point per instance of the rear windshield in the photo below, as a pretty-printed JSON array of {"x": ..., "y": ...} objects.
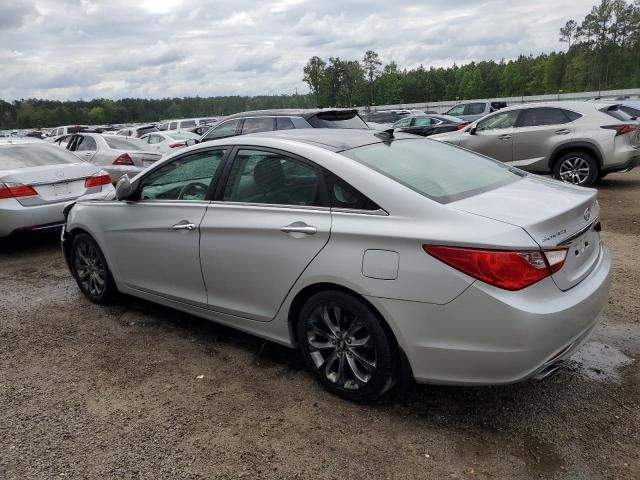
[
  {"x": 143, "y": 130},
  {"x": 633, "y": 112},
  {"x": 348, "y": 119},
  {"x": 436, "y": 170},
  {"x": 620, "y": 112},
  {"x": 23, "y": 156},
  {"x": 119, "y": 143}
]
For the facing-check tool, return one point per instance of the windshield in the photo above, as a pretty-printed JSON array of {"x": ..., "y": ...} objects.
[
  {"x": 23, "y": 156},
  {"x": 337, "y": 119},
  {"x": 436, "y": 170},
  {"x": 119, "y": 143}
]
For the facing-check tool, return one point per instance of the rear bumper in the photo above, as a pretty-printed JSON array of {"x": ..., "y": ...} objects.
[
  {"x": 15, "y": 217},
  {"x": 624, "y": 167},
  {"x": 117, "y": 171},
  {"x": 489, "y": 336}
]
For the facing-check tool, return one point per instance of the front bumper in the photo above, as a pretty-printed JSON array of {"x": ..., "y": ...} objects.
[{"x": 489, "y": 336}]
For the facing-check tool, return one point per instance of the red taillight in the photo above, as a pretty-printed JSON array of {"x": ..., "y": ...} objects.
[
  {"x": 622, "y": 129},
  {"x": 176, "y": 145},
  {"x": 16, "y": 190},
  {"x": 123, "y": 159},
  {"x": 99, "y": 179},
  {"x": 460, "y": 126},
  {"x": 511, "y": 270}
]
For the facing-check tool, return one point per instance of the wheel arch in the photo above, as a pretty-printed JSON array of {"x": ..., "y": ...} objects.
[
  {"x": 305, "y": 293},
  {"x": 583, "y": 146}
]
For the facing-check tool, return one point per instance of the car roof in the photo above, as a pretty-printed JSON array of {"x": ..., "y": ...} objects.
[
  {"x": 333, "y": 139},
  {"x": 291, "y": 112}
]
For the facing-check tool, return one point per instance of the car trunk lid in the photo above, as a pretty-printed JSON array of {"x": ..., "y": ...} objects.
[
  {"x": 555, "y": 215},
  {"x": 52, "y": 183},
  {"x": 143, "y": 159}
]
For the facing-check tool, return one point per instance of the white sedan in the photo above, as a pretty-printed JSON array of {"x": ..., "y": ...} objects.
[{"x": 168, "y": 141}]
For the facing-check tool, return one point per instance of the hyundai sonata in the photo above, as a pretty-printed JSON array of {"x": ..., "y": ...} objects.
[{"x": 374, "y": 254}]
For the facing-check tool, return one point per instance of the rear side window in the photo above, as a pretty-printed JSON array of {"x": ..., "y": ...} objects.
[
  {"x": 343, "y": 195},
  {"x": 284, "y": 123},
  {"x": 257, "y": 125},
  {"x": 475, "y": 109},
  {"x": 534, "y": 117},
  {"x": 188, "y": 124},
  {"x": 633, "y": 112},
  {"x": 23, "y": 156},
  {"x": 86, "y": 144},
  {"x": 433, "y": 168},
  {"x": 337, "y": 119}
]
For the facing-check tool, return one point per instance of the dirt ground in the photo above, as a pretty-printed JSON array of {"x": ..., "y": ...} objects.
[{"x": 88, "y": 392}]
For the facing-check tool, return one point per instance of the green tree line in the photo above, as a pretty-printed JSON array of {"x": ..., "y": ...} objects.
[{"x": 603, "y": 53}]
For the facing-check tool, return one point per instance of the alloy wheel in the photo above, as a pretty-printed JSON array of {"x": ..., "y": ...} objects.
[
  {"x": 340, "y": 346},
  {"x": 575, "y": 170},
  {"x": 90, "y": 268}
]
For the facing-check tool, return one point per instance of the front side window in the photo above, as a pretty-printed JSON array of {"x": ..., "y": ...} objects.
[
  {"x": 499, "y": 120},
  {"x": 272, "y": 178},
  {"x": 187, "y": 178},
  {"x": 457, "y": 110},
  {"x": 433, "y": 168},
  {"x": 256, "y": 125},
  {"x": 404, "y": 123},
  {"x": 225, "y": 129},
  {"x": 535, "y": 117},
  {"x": 423, "y": 122}
]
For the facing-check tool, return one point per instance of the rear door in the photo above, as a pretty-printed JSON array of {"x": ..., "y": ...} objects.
[
  {"x": 493, "y": 136},
  {"x": 539, "y": 131},
  {"x": 271, "y": 219}
]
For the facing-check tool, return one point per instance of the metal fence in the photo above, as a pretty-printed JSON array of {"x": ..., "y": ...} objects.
[{"x": 442, "y": 107}]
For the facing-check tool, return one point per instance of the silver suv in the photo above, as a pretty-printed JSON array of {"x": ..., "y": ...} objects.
[
  {"x": 577, "y": 142},
  {"x": 471, "y": 111}
]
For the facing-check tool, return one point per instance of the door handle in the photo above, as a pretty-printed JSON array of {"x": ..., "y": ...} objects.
[
  {"x": 299, "y": 227},
  {"x": 563, "y": 131},
  {"x": 184, "y": 226},
  {"x": 504, "y": 137}
]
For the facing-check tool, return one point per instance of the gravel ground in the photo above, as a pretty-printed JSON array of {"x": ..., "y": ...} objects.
[{"x": 92, "y": 392}]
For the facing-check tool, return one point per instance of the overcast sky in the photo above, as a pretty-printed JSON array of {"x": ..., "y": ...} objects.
[{"x": 74, "y": 49}]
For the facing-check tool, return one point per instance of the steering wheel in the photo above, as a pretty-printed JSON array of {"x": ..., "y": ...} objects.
[{"x": 193, "y": 188}]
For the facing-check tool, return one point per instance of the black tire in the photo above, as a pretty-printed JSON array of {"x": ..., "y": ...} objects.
[
  {"x": 90, "y": 269},
  {"x": 578, "y": 168},
  {"x": 346, "y": 347}
]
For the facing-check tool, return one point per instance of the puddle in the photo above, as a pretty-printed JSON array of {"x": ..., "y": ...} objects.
[
  {"x": 602, "y": 358},
  {"x": 601, "y": 362}
]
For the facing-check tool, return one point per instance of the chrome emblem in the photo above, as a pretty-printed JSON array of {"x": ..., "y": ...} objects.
[{"x": 587, "y": 214}]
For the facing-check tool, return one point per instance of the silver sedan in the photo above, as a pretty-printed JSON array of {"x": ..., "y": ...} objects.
[
  {"x": 371, "y": 254},
  {"x": 37, "y": 180},
  {"x": 117, "y": 155}
]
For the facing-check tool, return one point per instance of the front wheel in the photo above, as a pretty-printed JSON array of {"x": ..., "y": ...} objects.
[
  {"x": 344, "y": 344},
  {"x": 577, "y": 168},
  {"x": 90, "y": 270}
]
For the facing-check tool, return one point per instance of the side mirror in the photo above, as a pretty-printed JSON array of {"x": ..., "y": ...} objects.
[
  {"x": 472, "y": 131},
  {"x": 191, "y": 142},
  {"x": 124, "y": 189}
]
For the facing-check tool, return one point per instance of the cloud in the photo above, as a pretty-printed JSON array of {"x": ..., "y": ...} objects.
[{"x": 67, "y": 49}]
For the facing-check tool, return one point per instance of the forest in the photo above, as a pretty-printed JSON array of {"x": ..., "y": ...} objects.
[{"x": 601, "y": 52}]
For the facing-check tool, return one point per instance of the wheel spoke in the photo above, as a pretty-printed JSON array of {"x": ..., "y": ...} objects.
[
  {"x": 330, "y": 375},
  {"x": 368, "y": 364},
  {"x": 360, "y": 376},
  {"x": 359, "y": 342},
  {"x": 327, "y": 321}
]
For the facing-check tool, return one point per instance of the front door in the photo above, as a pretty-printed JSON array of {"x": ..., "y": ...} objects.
[
  {"x": 270, "y": 222},
  {"x": 157, "y": 238},
  {"x": 493, "y": 136}
]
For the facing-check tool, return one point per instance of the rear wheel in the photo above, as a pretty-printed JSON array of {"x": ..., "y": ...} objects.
[
  {"x": 344, "y": 344},
  {"x": 90, "y": 270},
  {"x": 577, "y": 168}
]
